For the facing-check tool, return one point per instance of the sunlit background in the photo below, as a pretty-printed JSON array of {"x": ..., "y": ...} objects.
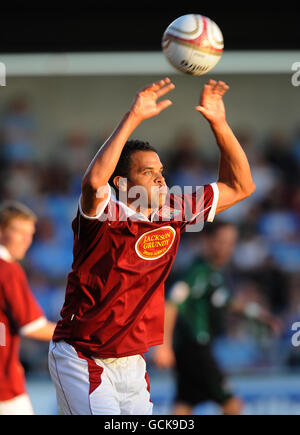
[{"x": 70, "y": 77}]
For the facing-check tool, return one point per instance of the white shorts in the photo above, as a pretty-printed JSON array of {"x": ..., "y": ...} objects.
[
  {"x": 19, "y": 405},
  {"x": 90, "y": 386}
]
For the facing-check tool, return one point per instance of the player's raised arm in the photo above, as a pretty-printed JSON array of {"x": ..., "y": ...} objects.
[
  {"x": 145, "y": 106},
  {"x": 235, "y": 181}
]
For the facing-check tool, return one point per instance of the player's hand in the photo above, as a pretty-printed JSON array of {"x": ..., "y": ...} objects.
[
  {"x": 211, "y": 101},
  {"x": 145, "y": 104},
  {"x": 163, "y": 357}
]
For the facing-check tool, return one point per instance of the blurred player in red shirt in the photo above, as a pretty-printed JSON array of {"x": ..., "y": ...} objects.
[
  {"x": 20, "y": 314},
  {"x": 126, "y": 235}
]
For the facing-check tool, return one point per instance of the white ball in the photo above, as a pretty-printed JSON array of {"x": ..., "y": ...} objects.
[{"x": 193, "y": 44}]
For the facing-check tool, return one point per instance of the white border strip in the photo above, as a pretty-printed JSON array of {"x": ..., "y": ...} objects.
[
  {"x": 141, "y": 63},
  {"x": 213, "y": 209}
]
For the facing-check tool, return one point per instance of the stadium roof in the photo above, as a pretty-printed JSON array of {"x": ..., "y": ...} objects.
[{"x": 114, "y": 26}]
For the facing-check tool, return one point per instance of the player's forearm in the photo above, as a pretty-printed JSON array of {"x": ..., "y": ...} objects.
[
  {"x": 171, "y": 312},
  {"x": 44, "y": 333},
  {"x": 105, "y": 161},
  {"x": 234, "y": 169}
]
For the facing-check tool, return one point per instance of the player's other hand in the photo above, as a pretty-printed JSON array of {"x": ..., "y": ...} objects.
[
  {"x": 163, "y": 357},
  {"x": 145, "y": 104},
  {"x": 211, "y": 101}
]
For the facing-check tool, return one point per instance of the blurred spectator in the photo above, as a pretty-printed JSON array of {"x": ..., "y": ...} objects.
[
  {"x": 296, "y": 145},
  {"x": 292, "y": 315},
  {"x": 47, "y": 254},
  {"x": 251, "y": 252},
  {"x": 184, "y": 166},
  {"x": 295, "y": 201},
  {"x": 279, "y": 155},
  {"x": 278, "y": 224},
  {"x": 196, "y": 310},
  {"x": 22, "y": 183},
  {"x": 48, "y": 293},
  {"x": 74, "y": 155},
  {"x": 274, "y": 283},
  {"x": 18, "y": 130},
  {"x": 266, "y": 177},
  {"x": 184, "y": 143}
]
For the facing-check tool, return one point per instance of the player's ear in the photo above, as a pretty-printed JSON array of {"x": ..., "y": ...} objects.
[{"x": 120, "y": 183}]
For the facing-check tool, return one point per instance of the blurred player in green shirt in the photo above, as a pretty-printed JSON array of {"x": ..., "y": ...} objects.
[{"x": 194, "y": 316}]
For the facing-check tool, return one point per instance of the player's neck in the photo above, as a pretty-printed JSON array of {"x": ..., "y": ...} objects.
[{"x": 145, "y": 211}]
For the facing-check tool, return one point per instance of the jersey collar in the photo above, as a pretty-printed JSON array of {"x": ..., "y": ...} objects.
[
  {"x": 130, "y": 212},
  {"x": 4, "y": 254}
]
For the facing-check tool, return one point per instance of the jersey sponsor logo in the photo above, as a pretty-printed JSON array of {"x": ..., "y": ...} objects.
[{"x": 156, "y": 243}]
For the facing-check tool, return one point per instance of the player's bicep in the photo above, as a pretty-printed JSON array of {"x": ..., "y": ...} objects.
[
  {"x": 227, "y": 197},
  {"x": 93, "y": 201}
]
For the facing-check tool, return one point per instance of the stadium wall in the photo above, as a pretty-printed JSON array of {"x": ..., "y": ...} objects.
[{"x": 260, "y": 103}]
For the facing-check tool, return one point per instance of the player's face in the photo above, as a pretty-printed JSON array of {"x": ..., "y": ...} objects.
[
  {"x": 146, "y": 170},
  {"x": 17, "y": 237},
  {"x": 222, "y": 244}
]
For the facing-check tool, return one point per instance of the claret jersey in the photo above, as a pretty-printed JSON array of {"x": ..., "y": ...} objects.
[
  {"x": 19, "y": 315},
  {"x": 114, "y": 302}
]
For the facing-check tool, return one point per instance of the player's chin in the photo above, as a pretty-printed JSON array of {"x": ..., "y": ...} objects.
[
  {"x": 21, "y": 252},
  {"x": 19, "y": 255}
]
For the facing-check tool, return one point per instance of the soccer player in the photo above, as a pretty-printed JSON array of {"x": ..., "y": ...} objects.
[
  {"x": 124, "y": 248},
  {"x": 20, "y": 314},
  {"x": 195, "y": 308}
]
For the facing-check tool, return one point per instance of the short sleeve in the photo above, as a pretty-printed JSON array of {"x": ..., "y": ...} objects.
[
  {"x": 212, "y": 201},
  {"x": 88, "y": 229},
  {"x": 103, "y": 208},
  {"x": 24, "y": 311}
]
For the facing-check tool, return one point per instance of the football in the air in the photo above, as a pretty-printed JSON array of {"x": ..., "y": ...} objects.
[{"x": 193, "y": 44}]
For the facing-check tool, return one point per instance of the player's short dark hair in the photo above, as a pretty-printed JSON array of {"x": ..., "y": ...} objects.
[
  {"x": 124, "y": 163},
  {"x": 10, "y": 210}
]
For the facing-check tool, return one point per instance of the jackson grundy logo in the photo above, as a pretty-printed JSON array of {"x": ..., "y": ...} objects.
[{"x": 156, "y": 243}]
